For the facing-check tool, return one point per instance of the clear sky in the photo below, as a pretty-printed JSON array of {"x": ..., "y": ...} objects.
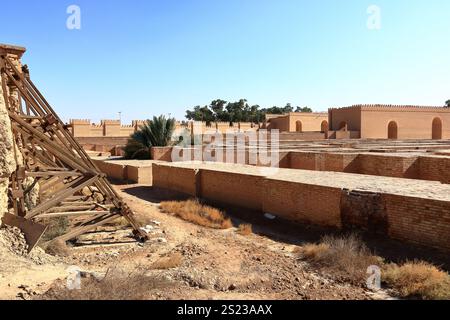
[{"x": 151, "y": 57}]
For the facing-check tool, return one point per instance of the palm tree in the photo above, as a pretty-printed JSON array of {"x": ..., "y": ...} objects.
[{"x": 154, "y": 133}]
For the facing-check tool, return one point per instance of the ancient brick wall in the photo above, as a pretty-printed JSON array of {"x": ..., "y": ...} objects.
[
  {"x": 408, "y": 122},
  {"x": 434, "y": 168},
  {"x": 302, "y": 202},
  {"x": 390, "y": 166},
  {"x": 176, "y": 179},
  {"x": 421, "y": 221},
  {"x": 246, "y": 190},
  {"x": 300, "y": 122}
]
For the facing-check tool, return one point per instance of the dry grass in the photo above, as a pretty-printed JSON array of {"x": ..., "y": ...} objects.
[
  {"x": 120, "y": 222},
  {"x": 245, "y": 229},
  {"x": 418, "y": 279},
  {"x": 114, "y": 286},
  {"x": 56, "y": 227},
  {"x": 195, "y": 212},
  {"x": 57, "y": 248},
  {"x": 346, "y": 257},
  {"x": 174, "y": 260}
]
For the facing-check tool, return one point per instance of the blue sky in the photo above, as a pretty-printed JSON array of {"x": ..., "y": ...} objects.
[{"x": 151, "y": 57}]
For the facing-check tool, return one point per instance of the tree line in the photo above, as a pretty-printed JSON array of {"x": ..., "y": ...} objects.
[{"x": 238, "y": 111}]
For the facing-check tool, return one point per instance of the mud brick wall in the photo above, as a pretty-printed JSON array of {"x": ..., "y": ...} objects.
[
  {"x": 363, "y": 210},
  {"x": 435, "y": 168},
  {"x": 112, "y": 170},
  {"x": 142, "y": 175},
  {"x": 238, "y": 189},
  {"x": 302, "y": 202},
  {"x": 161, "y": 153},
  {"x": 177, "y": 179},
  {"x": 390, "y": 166},
  {"x": 420, "y": 221},
  {"x": 338, "y": 162},
  {"x": 118, "y": 170}
]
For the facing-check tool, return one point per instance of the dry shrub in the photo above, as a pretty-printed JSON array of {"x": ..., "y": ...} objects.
[
  {"x": 195, "y": 212},
  {"x": 57, "y": 248},
  {"x": 245, "y": 229},
  {"x": 172, "y": 261},
  {"x": 114, "y": 286},
  {"x": 418, "y": 279},
  {"x": 120, "y": 222},
  {"x": 313, "y": 252},
  {"x": 56, "y": 227},
  {"x": 345, "y": 256}
]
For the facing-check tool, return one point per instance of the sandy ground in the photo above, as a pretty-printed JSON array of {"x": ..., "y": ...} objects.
[{"x": 216, "y": 264}]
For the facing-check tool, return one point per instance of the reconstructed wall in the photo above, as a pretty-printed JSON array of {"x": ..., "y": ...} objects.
[
  {"x": 408, "y": 122},
  {"x": 423, "y": 220},
  {"x": 246, "y": 190},
  {"x": 418, "y": 220},
  {"x": 412, "y": 122},
  {"x": 349, "y": 116},
  {"x": 176, "y": 179},
  {"x": 434, "y": 168},
  {"x": 138, "y": 172},
  {"x": 299, "y": 122},
  {"x": 106, "y": 128},
  {"x": 302, "y": 202},
  {"x": 114, "y": 128},
  {"x": 112, "y": 145}
]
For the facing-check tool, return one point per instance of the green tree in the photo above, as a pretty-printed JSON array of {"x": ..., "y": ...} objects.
[
  {"x": 303, "y": 109},
  {"x": 238, "y": 111},
  {"x": 447, "y": 104},
  {"x": 154, "y": 133}
]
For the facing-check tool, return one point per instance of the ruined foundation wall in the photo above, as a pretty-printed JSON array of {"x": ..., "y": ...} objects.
[
  {"x": 246, "y": 190},
  {"x": 417, "y": 220},
  {"x": 176, "y": 179},
  {"x": 302, "y": 202}
]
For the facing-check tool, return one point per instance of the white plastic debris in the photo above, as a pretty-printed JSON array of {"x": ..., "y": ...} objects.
[
  {"x": 269, "y": 216},
  {"x": 147, "y": 229}
]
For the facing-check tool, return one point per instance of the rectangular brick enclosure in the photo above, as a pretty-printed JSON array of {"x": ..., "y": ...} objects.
[{"x": 411, "y": 210}]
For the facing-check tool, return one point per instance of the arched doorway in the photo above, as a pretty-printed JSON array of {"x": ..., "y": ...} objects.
[
  {"x": 343, "y": 126},
  {"x": 436, "y": 131},
  {"x": 392, "y": 130},
  {"x": 299, "y": 126},
  {"x": 324, "y": 126}
]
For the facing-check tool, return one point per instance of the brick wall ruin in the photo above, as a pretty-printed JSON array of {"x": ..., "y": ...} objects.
[
  {"x": 84, "y": 128},
  {"x": 413, "y": 218}
]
